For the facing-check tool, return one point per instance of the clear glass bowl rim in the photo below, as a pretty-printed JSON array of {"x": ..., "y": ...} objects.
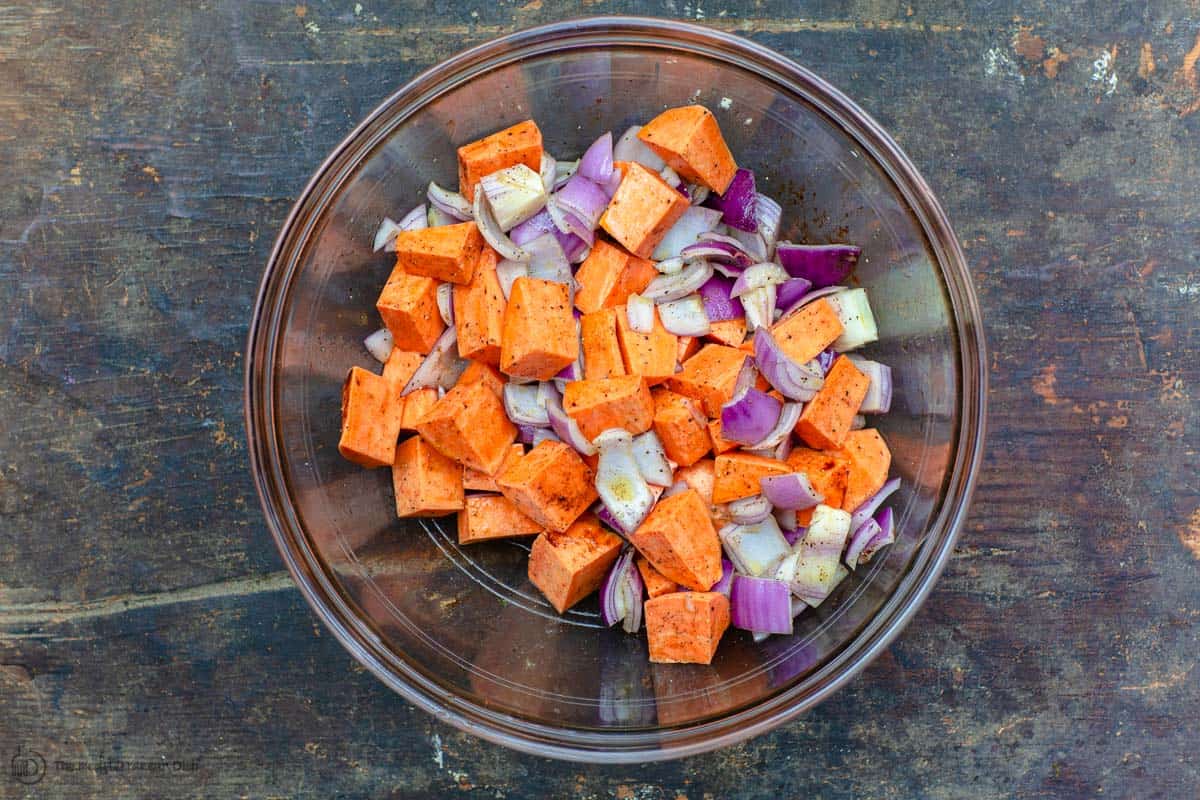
[{"x": 320, "y": 589}]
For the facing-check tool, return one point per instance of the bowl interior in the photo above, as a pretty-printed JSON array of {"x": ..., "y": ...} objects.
[{"x": 464, "y": 622}]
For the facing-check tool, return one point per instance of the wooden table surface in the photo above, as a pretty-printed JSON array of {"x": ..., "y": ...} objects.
[{"x": 151, "y": 644}]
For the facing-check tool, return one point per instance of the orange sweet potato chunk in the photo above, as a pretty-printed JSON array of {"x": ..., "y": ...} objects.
[
  {"x": 809, "y": 331},
  {"x": 870, "y": 459},
  {"x": 642, "y": 210},
  {"x": 597, "y": 405},
  {"x": 656, "y": 584},
  {"x": 650, "y": 355},
  {"x": 540, "y": 337},
  {"x": 445, "y": 253},
  {"x": 492, "y": 516},
  {"x": 469, "y": 425},
  {"x": 416, "y": 405},
  {"x": 686, "y": 627},
  {"x": 569, "y": 566},
  {"x": 550, "y": 484},
  {"x": 399, "y": 368},
  {"x": 408, "y": 306},
  {"x": 827, "y": 472},
  {"x": 690, "y": 141},
  {"x": 679, "y": 539},
  {"x": 479, "y": 311},
  {"x": 426, "y": 483},
  {"x": 475, "y": 480},
  {"x": 731, "y": 332},
  {"x": 681, "y": 426},
  {"x": 826, "y": 418},
  {"x": 519, "y": 144},
  {"x": 719, "y": 443},
  {"x": 371, "y": 414},
  {"x": 737, "y": 475},
  {"x": 601, "y": 349},
  {"x": 477, "y": 371},
  {"x": 709, "y": 376},
  {"x": 688, "y": 346},
  {"x": 608, "y": 276}
]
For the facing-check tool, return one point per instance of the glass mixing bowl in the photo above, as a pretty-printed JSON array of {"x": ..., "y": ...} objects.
[{"x": 461, "y": 632}]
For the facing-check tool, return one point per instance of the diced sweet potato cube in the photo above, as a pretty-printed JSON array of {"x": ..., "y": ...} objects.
[
  {"x": 416, "y": 405},
  {"x": 656, "y": 583},
  {"x": 870, "y": 459},
  {"x": 598, "y": 405},
  {"x": 540, "y": 335},
  {"x": 569, "y": 566},
  {"x": 803, "y": 335},
  {"x": 445, "y": 253},
  {"x": 737, "y": 475},
  {"x": 699, "y": 476},
  {"x": 826, "y": 418},
  {"x": 492, "y": 516},
  {"x": 686, "y": 627},
  {"x": 371, "y": 414},
  {"x": 399, "y": 368},
  {"x": 827, "y": 472},
  {"x": 608, "y": 276},
  {"x": 601, "y": 350},
  {"x": 690, "y": 141},
  {"x": 427, "y": 484},
  {"x": 469, "y": 425},
  {"x": 478, "y": 371},
  {"x": 679, "y": 539},
  {"x": 550, "y": 484},
  {"x": 408, "y": 306},
  {"x": 719, "y": 443},
  {"x": 687, "y": 346},
  {"x": 480, "y": 481},
  {"x": 520, "y": 144},
  {"x": 650, "y": 355},
  {"x": 731, "y": 332},
  {"x": 479, "y": 311},
  {"x": 709, "y": 376},
  {"x": 642, "y": 210},
  {"x": 681, "y": 426}
]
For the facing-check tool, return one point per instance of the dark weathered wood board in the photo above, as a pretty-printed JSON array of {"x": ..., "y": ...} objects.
[{"x": 149, "y": 152}]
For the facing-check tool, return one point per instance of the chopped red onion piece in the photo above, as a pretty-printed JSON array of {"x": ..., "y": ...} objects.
[
  {"x": 563, "y": 424},
  {"x": 619, "y": 482},
  {"x": 492, "y": 233},
  {"x": 718, "y": 304},
  {"x": 542, "y": 435},
  {"x": 858, "y": 322},
  {"x": 571, "y": 372},
  {"x": 759, "y": 305},
  {"x": 672, "y": 287},
  {"x": 640, "y": 311},
  {"x": 672, "y": 179},
  {"x": 442, "y": 367},
  {"x": 858, "y": 422},
  {"x": 630, "y": 148},
  {"x": 879, "y": 392},
  {"x": 749, "y": 510},
  {"x": 886, "y": 535},
  {"x": 747, "y": 377},
  {"x": 793, "y": 535},
  {"x": 789, "y": 415},
  {"x": 436, "y": 218},
  {"x": 569, "y": 224},
  {"x": 792, "y": 380},
  {"x": 872, "y": 503},
  {"x": 820, "y": 552},
  {"x": 754, "y": 549},
  {"x": 768, "y": 215},
  {"x": 739, "y": 203},
  {"x": 839, "y": 574},
  {"x": 651, "y": 459},
  {"x": 724, "y": 584},
  {"x": 563, "y": 170},
  {"x": 379, "y": 344},
  {"x": 621, "y": 594},
  {"x": 749, "y": 416},
  {"x": 823, "y": 264},
  {"x": 415, "y": 220},
  {"x": 760, "y": 604},
  {"x": 507, "y": 273},
  {"x": 523, "y": 405},
  {"x": 786, "y": 517},
  {"x": 859, "y": 540},
  {"x": 686, "y": 231},
  {"x": 445, "y": 302},
  {"x": 793, "y": 491},
  {"x": 790, "y": 291},
  {"x": 815, "y": 294},
  {"x": 547, "y": 261},
  {"x": 547, "y": 171},
  {"x": 758, "y": 276},
  {"x": 584, "y": 198},
  {"x": 685, "y": 316},
  {"x": 597, "y": 161},
  {"x": 752, "y": 243},
  {"x": 451, "y": 203},
  {"x": 514, "y": 194}
]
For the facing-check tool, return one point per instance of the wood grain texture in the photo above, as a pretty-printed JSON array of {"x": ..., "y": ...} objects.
[{"x": 148, "y": 154}]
